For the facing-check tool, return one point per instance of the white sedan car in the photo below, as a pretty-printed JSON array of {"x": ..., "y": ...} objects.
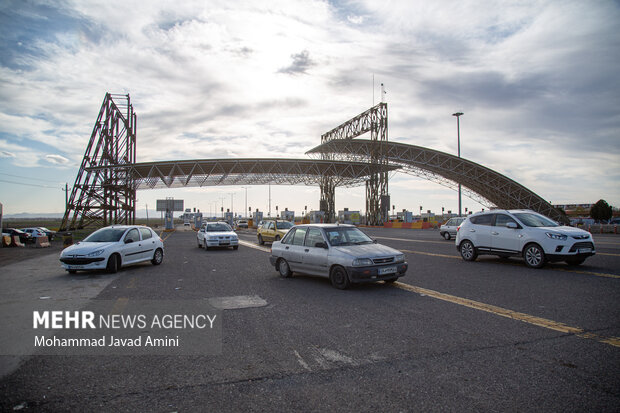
[
  {"x": 113, "y": 247},
  {"x": 217, "y": 234}
]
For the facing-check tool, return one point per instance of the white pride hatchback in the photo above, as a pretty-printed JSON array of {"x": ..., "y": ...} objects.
[
  {"x": 113, "y": 247},
  {"x": 522, "y": 233}
]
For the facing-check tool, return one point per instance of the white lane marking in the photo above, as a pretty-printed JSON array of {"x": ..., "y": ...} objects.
[
  {"x": 301, "y": 361},
  {"x": 252, "y": 245}
]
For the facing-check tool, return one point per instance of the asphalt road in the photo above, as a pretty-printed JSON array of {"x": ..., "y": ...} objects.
[{"x": 491, "y": 335}]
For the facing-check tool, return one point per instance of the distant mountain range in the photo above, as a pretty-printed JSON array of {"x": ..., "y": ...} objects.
[{"x": 59, "y": 215}]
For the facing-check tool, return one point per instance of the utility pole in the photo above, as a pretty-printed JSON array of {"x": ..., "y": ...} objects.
[
  {"x": 222, "y": 199},
  {"x": 66, "y": 190},
  {"x": 458, "y": 134}
]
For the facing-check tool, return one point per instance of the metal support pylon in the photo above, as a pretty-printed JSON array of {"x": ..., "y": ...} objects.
[
  {"x": 375, "y": 121},
  {"x": 106, "y": 196}
]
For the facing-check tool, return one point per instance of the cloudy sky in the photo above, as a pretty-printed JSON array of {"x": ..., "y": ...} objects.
[{"x": 537, "y": 80}]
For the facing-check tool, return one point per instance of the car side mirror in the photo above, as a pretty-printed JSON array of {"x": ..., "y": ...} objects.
[
  {"x": 128, "y": 241},
  {"x": 511, "y": 225},
  {"x": 321, "y": 245},
  {"x": 374, "y": 241}
]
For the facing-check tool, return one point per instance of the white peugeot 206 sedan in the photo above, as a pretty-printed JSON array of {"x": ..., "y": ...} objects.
[
  {"x": 522, "y": 233},
  {"x": 113, "y": 247},
  {"x": 343, "y": 253}
]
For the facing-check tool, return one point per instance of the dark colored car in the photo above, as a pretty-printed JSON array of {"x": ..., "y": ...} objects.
[{"x": 23, "y": 236}]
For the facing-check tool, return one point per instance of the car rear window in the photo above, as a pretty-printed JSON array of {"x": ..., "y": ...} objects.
[
  {"x": 314, "y": 236},
  {"x": 298, "y": 238},
  {"x": 146, "y": 233},
  {"x": 486, "y": 219}
]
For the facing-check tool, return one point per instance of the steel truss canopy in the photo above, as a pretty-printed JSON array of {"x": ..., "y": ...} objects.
[
  {"x": 482, "y": 184},
  {"x": 211, "y": 172}
]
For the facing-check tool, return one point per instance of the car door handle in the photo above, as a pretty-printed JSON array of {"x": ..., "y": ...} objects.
[
  {"x": 472, "y": 230},
  {"x": 495, "y": 233},
  {"x": 286, "y": 248},
  {"x": 307, "y": 250}
]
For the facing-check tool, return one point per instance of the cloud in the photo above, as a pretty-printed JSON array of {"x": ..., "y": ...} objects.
[
  {"x": 301, "y": 63},
  {"x": 223, "y": 79},
  {"x": 57, "y": 159}
]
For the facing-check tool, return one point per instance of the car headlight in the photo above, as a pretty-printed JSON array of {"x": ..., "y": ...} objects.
[
  {"x": 358, "y": 262},
  {"x": 399, "y": 258},
  {"x": 95, "y": 253},
  {"x": 556, "y": 236}
]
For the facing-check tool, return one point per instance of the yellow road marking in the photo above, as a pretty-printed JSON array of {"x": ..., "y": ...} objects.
[
  {"x": 538, "y": 321},
  {"x": 167, "y": 236},
  {"x": 416, "y": 240},
  {"x": 607, "y": 253},
  {"x": 119, "y": 305},
  {"x": 132, "y": 282},
  {"x": 432, "y": 254},
  {"x": 597, "y": 274}
]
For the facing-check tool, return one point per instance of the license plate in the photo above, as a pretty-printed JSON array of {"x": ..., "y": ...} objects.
[
  {"x": 584, "y": 250},
  {"x": 388, "y": 270},
  {"x": 76, "y": 267},
  {"x": 224, "y": 243}
]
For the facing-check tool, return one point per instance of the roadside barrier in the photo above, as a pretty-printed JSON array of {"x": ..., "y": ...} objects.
[
  {"x": 15, "y": 242},
  {"x": 42, "y": 242}
]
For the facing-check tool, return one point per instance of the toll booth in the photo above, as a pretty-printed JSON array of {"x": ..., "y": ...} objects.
[
  {"x": 257, "y": 217},
  {"x": 316, "y": 217},
  {"x": 198, "y": 220},
  {"x": 287, "y": 215},
  {"x": 349, "y": 217},
  {"x": 405, "y": 216},
  {"x": 168, "y": 221}
]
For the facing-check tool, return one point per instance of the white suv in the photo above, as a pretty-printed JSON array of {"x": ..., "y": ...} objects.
[{"x": 522, "y": 233}]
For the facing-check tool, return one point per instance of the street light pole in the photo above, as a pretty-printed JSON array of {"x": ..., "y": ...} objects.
[
  {"x": 458, "y": 134},
  {"x": 231, "y": 204},
  {"x": 246, "y": 199}
]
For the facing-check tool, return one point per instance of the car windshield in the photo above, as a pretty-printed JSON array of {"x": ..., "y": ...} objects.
[
  {"x": 347, "y": 236},
  {"x": 535, "y": 220},
  {"x": 219, "y": 227},
  {"x": 284, "y": 225},
  {"x": 106, "y": 235}
]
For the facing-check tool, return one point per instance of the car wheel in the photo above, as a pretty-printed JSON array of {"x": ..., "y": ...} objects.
[
  {"x": 339, "y": 278},
  {"x": 446, "y": 235},
  {"x": 468, "y": 251},
  {"x": 158, "y": 257},
  {"x": 261, "y": 241},
  {"x": 114, "y": 263},
  {"x": 577, "y": 261},
  {"x": 534, "y": 256},
  {"x": 284, "y": 269}
]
